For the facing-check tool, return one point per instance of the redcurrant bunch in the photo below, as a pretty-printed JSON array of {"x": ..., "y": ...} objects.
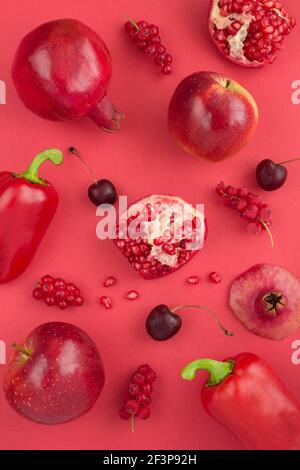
[
  {"x": 250, "y": 207},
  {"x": 138, "y": 397},
  {"x": 146, "y": 37},
  {"x": 56, "y": 291}
]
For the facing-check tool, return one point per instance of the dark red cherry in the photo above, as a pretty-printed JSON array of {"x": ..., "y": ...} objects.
[
  {"x": 271, "y": 176},
  {"x": 162, "y": 323},
  {"x": 102, "y": 192}
]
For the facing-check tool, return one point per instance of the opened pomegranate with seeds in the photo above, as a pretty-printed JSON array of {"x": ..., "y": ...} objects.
[
  {"x": 249, "y": 32},
  {"x": 159, "y": 234}
]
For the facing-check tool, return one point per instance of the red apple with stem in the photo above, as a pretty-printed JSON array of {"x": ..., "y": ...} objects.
[
  {"x": 211, "y": 116},
  {"x": 55, "y": 375}
]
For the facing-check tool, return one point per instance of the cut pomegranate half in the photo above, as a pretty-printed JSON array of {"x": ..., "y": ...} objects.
[
  {"x": 159, "y": 234},
  {"x": 249, "y": 32}
]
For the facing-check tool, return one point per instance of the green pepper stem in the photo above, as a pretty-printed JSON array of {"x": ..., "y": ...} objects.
[
  {"x": 218, "y": 371},
  {"x": 31, "y": 174}
]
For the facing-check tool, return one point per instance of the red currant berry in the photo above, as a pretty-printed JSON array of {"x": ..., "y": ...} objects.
[
  {"x": 251, "y": 212},
  {"x": 150, "y": 376},
  {"x": 133, "y": 389},
  {"x": 129, "y": 26},
  {"x": 243, "y": 192},
  {"x": 78, "y": 301},
  {"x": 132, "y": 407},
  {"x": 215, "y": 277},
  {"x": 47, "y": 288},
  {"x": 60, "y": 294},
  {"x": 143, "y": 399},
  {"x": 150, "y": 50},
  {"x": 70, "y": 299},
  {"x": 143, "y": 369},
  {"x": 242, "y": 205},
  {"x": 142, "y": 24},
  {"x": 62, "y": 304},
  {"x": 254, "y": 228},
  {"x": 147, "y": 388},
  {"x": 265, "y": 212},
  {"x": 37, "y": 293},
  {"x": 47, "y": 278},
  {"x": 254, "y": 200},
  {"x": 142, "y": 45},
  {"x": 71, "y": 287},
  {"x": 145, "y": 413},
  {"x": 166, "y": 70},
  {"x": 154, "y": 30},
  {"x": 168, "y": 59},
  {"x": 138, "y": 378},
  {"x": 156, "y": 40},
  {"x": 160, "y": 58},
  {"x": 59, "y": 283},
  {"x": 123, "y": 413},
  {"x": 144, "y": 34},
  {"x": 160, "y": 49},
  {"x": 231, "y": 191},
  {"x": 133, "y": 34},
  {"x": 50, "y": 301}
]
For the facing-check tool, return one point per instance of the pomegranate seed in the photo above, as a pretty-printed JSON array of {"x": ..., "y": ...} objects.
[
  {"x": 193, "y": 280},
  {"x": 215, "y": 277},
  {"x": 106, "y": 302},
  {"x": 110, "y": 281},
  {"x": 132, "y": 295}
]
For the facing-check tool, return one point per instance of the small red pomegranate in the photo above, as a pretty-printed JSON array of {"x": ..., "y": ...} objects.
[
  {"x": 160, "y": 234},
  {"x": 249, "y": 32},
  {"x": 62, "y": 70}
]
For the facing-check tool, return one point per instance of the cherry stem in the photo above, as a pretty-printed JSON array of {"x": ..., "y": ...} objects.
[
  {"x": 289, "y": 161},
  {"x": 74, "y": 152},
  {"x": 268, "y": 231},
  {"x": 132, "y": 423},
  {"x": 225, "y": 331}
]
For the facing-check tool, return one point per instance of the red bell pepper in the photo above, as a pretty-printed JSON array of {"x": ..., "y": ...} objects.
[
  {"x": 246, "y": 396},
  {"x": 27, "y": 206}
]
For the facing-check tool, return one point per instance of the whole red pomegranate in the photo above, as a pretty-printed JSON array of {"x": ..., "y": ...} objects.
[
  {"x": 159, "y": 234},
  {"x": 249, "y": 32},
  {"x": 62, "y": 70},
  {"x": 55, "y": 375}
]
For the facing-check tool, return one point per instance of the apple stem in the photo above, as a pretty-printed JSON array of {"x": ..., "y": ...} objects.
[
  {"x": 74, "y": 152},
  {"x": 268, "y": 231},
  {"x": 289, "y": 161},
  {"x": 225, "y": 331},
  {"x": 132, "y": 423},
  {"x": 227, "y": 83},
  {"x": 21, "y": 349}
]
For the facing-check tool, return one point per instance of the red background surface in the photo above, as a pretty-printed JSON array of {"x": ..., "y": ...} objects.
[{"x": 142, "y": 159}]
